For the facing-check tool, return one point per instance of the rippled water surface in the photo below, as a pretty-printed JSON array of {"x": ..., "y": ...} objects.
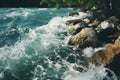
[{"x": 33, "y": 46}]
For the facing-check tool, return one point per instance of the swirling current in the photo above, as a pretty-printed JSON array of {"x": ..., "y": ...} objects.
[{"x": 33, "y": 46}]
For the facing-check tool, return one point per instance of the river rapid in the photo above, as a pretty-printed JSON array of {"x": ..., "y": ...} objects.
[{"x": 34, "y": 46}]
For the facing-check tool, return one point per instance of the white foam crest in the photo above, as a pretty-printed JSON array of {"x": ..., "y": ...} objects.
[
  {"x": 17, "y": 50},
  {"x": 83, "y": 14},
  {"x": 32, "y": 34},
  {"x": 89, "y": 51},
  {"x": 13, "y": 52},
  {"x": 56, "y": 25},
  {"x": 58, "y": 66},
  {"x": 24, "y": 13},
  {"x": 93, "y": 73},
  {"x": 43, "y": 9},
  {"x": 12, "y": 14},
  {"x": 52, "y": 32},
  {"x": 80, "y": 16},
  {"x": 67, "y": 39},
  {"x": 49, "y": 37}
]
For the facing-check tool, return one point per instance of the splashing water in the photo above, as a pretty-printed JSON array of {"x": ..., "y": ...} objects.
[{"x": 31, "y": 51}]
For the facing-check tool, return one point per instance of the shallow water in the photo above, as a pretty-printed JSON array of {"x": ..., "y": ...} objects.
[{"x": 33, "y": 46}]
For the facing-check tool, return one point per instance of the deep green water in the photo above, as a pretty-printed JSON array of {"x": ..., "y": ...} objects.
[{"x": 33, "y": 46}]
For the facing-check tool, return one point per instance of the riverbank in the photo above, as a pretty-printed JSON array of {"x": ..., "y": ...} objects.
[{"x": 97, "y": 31}]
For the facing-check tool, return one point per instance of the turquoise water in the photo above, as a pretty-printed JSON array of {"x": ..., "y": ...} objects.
[
  {"x": 24, "y": 19},
  {"x": 29, "y": 17},
  {"x": 33, "y": 46}
]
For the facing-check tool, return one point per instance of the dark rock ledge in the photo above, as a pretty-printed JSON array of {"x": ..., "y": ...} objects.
[{"x": 94, "y": 32}]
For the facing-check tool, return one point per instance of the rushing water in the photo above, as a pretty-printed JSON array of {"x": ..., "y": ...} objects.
[{"x": 33, "y": 46}]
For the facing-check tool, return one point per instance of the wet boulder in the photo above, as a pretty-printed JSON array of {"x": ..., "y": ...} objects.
[
  {"x": 105, "y": 56},
  {"x": 115, "y": 63},
  {"x": 86, "y": 37},
  {"x": 74, "y": 21},
  {"x": 77, "y": 28},
  {"x": 110, "y": 57}
]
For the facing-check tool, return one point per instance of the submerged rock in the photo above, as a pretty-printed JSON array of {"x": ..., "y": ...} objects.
[{"x": 86, "y": 37}]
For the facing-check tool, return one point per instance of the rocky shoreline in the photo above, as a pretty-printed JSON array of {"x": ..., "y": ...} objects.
[{"x": 97, "y": 31}]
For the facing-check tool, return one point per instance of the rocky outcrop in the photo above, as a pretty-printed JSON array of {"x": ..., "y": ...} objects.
[
  {"x": 105, "y": 56},
  {"x": 92, "y": 32},
  {"x": 106, "y": 31}
]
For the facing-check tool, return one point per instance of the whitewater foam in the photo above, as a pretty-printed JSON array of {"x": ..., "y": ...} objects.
[
  {"x": 45, "y": 49},
  {"x": 93, "y": 73},
  {"x": 89, "y": 51}
]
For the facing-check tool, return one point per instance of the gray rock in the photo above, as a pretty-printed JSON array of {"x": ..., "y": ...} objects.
[
  {"x": 74, "y": 21},
  {"x": 77, "y": 28},
  {"x": 85, "y": 38}
]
